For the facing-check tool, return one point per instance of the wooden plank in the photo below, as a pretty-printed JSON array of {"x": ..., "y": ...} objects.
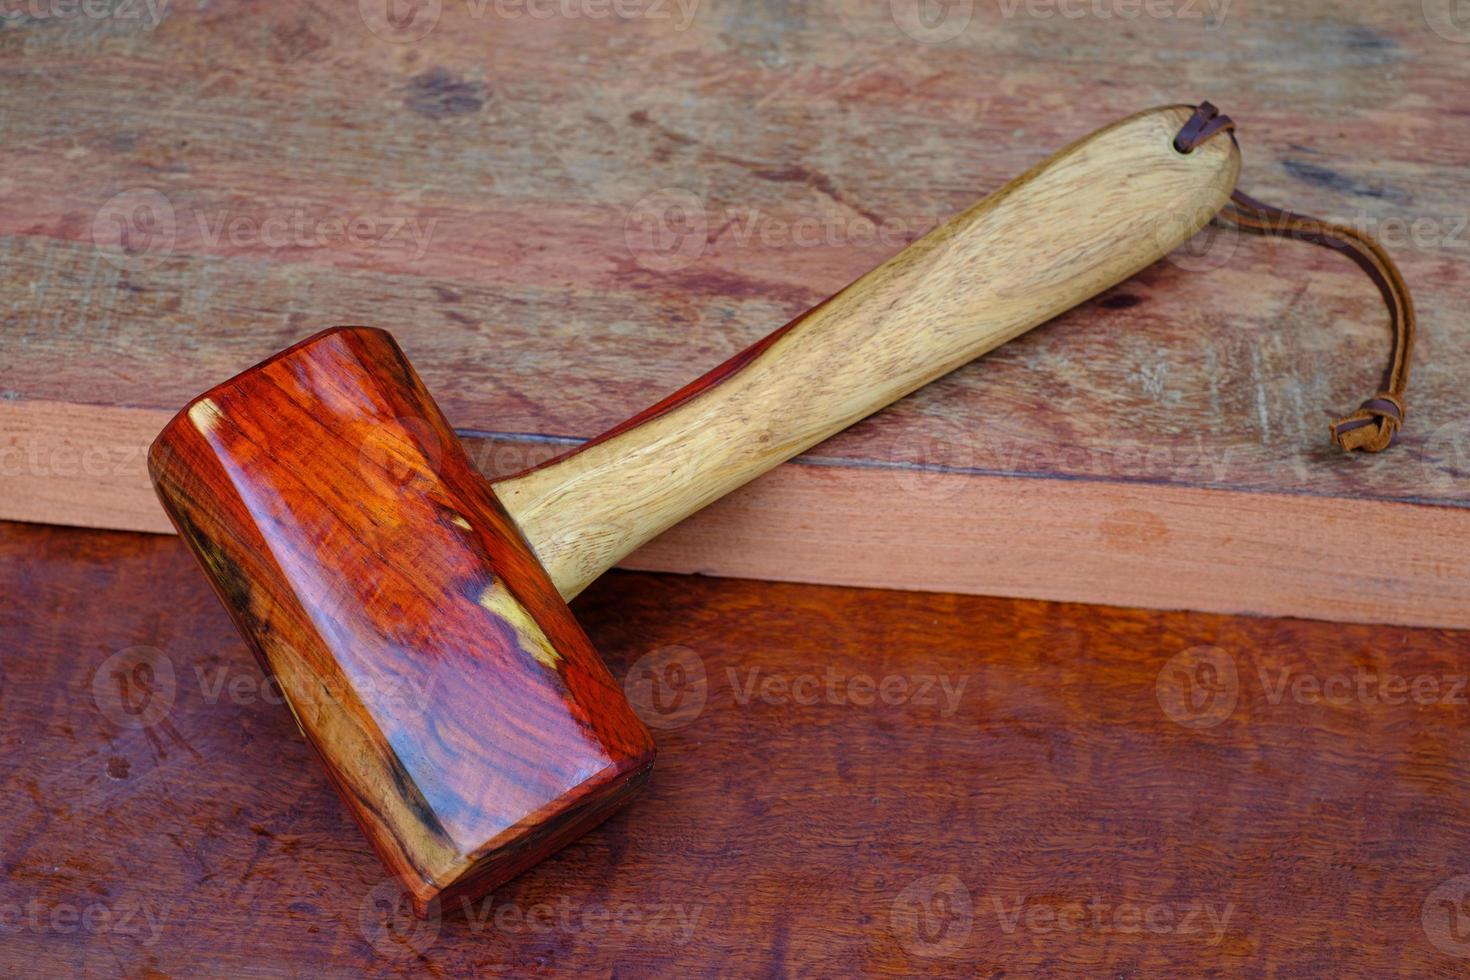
[
  {"x": 1311, "y": 818},
  {"x": 90, "y": 469},
  {"x": 818, "y": 520},
  {"x": 1117, "y": 543},
  {"x": 504, "y": 172}
]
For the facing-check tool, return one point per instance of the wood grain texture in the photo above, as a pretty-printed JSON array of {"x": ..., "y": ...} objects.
[
  {"x": 1117, "y": 543},
  {"x": 459, "y": 709},
  {"x": 202, "y": 839},
  {"x": 541, "y": 311},
  {"x": 1101, "y": 542},
  {"x": 1084, "y": 219}
]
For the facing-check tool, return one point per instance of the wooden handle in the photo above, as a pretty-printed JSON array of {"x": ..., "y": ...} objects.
[{"x": 1087, "y": 218}]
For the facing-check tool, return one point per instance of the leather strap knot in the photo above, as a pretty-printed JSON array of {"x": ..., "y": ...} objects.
[{"x": 1373, "y": 427}]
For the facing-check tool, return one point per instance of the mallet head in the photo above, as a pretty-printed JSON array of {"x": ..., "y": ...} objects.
[{"x": 460, "y": 710}]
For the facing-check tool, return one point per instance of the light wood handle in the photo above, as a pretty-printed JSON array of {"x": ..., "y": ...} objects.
[{"x": 1081, "y": 221}]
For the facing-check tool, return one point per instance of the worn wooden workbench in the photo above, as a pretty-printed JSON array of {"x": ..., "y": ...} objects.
[
  {"x": 566, "y": 208},
  {"x": 848, "y": 781}
]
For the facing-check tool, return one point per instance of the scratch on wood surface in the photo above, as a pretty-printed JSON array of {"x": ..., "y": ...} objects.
[
  {"x": 1257, "y": 375},
  {"x": 439, "y": 93},
  {"x": 1314, "y": 173}
]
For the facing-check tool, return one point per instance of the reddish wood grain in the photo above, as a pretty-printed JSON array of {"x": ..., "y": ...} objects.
[
  {"x": 533, "y": 148},
  {"x": 459, "y": 708},
  {"x": 1311, "y": 830}
]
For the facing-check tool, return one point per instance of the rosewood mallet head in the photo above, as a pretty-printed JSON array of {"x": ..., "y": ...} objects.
[{"x": 460, "y": 710}]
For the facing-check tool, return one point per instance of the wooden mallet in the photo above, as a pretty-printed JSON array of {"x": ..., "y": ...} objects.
[{"x": 415, "y": 615}]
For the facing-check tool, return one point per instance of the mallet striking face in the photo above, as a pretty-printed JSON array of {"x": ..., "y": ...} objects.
[{"x": 415, "y": 616}]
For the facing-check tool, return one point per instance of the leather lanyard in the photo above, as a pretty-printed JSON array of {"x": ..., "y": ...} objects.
[{"x": 1375, "y": 425}]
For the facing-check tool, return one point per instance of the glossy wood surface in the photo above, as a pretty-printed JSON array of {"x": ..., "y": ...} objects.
[
  {"x": 1301, "y": 830},
  {"x": 557, "y": 290},
  {"x": 1095, "y": 212},
  {"x": 459, "y": 708}
]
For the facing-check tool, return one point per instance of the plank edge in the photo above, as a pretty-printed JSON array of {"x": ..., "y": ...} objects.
[{"x": 1109, "y": 543}]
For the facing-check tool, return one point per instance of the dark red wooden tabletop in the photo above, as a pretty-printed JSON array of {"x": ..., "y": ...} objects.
[{"x": 848, "y": 782}]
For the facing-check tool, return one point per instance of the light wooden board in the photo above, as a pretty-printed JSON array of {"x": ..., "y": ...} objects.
[{"x": 539, "y": 310}]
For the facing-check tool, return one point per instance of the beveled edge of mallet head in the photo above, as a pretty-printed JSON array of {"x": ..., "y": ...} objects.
[{"x": 459, "y": 709}]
